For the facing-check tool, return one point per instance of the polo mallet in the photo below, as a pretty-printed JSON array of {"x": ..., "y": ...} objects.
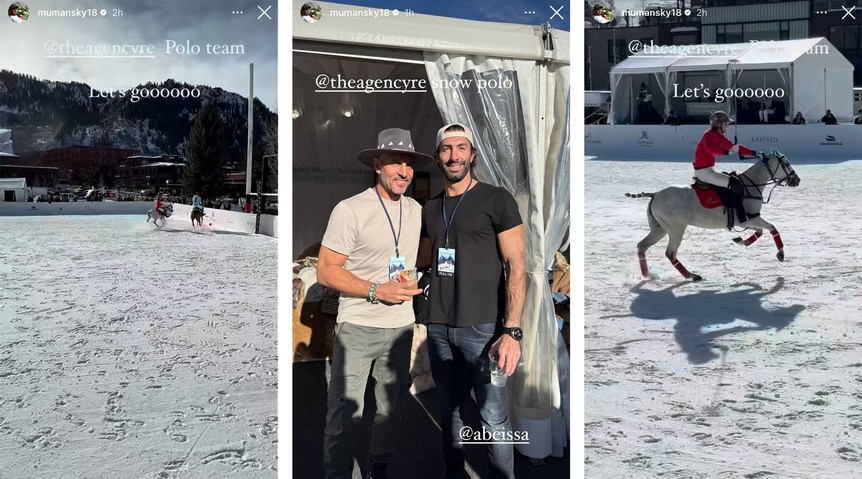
[{"x": 735, "y": 142}]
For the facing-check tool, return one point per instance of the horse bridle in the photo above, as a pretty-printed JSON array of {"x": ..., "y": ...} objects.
[
  {"x": 789, "y": 175},
  {"x": 788, "y": 171}
]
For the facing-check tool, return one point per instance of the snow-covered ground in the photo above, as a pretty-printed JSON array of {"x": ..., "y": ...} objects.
[
  {"x": 127, "y": 351},
  {"x": 754, "y": 372}
]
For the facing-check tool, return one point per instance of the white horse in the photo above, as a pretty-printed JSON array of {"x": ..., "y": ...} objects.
[
  {"x": 673, "y": 209},
  {"x": 155, "y": 216}
]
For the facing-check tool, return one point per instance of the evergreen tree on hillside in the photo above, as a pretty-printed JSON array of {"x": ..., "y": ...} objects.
[
  {"x": 207, "y": 154},
  {"x": 270, "y": 147},
  {"x": 101, "y": 173}
]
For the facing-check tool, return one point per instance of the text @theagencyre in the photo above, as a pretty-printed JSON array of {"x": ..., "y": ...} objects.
[
  {"x": 327, "y": 83},
  {"x": 170, "y": 47},
  {"x": 638, "y": 46}
]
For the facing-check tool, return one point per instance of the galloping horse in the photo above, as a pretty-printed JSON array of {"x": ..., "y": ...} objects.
[
  {"x": 197, "y": 215},
  {"x": 673, "y": 209},
  {"x": 153, "y": 215}
]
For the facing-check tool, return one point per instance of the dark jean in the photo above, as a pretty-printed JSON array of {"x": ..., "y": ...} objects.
[
  {"x": 355, "y": 350},
  {"x": 454, "y": 353}
]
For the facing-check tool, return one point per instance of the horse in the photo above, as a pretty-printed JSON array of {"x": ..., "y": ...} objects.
[
  {"x": 673, "y": 209},
  {"x": 153, "y": 215},
  {"x": 197, "y": 215}
]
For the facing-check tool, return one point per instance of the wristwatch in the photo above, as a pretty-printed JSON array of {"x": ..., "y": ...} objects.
[{"x": 516, "y": 333}]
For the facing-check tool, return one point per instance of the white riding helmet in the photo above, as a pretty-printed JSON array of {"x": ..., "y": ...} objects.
[{"x": 718, "y": 118}]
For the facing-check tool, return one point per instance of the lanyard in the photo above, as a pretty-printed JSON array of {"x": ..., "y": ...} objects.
[
  {"x": 400, "y": 213},
  {"x": 448, "y": 222}
]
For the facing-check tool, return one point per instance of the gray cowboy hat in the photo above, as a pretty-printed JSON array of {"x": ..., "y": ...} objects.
[{"x": 395, "y": 140}]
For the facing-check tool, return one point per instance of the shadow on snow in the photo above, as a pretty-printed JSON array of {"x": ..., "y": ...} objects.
[{"x": 698, "y": 314}]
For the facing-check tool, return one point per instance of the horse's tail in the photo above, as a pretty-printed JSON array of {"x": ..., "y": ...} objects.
[{"x": 640, "y": 195}]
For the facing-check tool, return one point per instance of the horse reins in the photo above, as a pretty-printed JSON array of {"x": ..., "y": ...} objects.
[{"x": 771, "y": 181}]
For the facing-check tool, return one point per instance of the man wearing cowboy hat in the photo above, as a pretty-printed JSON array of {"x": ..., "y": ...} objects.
[
  {"x": 473, "y": 237},
  {"x": 371, "y": 237}
]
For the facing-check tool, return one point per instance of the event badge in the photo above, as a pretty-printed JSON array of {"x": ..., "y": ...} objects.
[
  {"x": 446, "y": 262},
  {"x": 396, "y": 266}
]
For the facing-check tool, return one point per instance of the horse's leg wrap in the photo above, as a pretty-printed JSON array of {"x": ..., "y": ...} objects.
[
  {"x": 679, "y": 267},
  {"x": 752, "y": 238},
  {"x": 776, "y": 236},
  {"x": 643, "y": 263}
]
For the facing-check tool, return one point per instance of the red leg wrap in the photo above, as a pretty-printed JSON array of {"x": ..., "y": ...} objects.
[
  {"x": 752, "y": 238},
  {"x": 679, "y": 267},
  {"x": 777, "y": 237},
  {"x": 643, "y": 263}
]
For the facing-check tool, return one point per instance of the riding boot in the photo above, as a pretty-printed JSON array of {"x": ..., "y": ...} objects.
[{"x": 736, "y": 195}]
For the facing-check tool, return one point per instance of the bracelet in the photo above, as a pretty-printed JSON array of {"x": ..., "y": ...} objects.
[{"x": 372, "y": 294}]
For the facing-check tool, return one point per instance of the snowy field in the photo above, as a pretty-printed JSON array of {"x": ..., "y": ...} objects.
[
  {"x": 127, "y": 351},
  {"x": 754, "y": 372}
]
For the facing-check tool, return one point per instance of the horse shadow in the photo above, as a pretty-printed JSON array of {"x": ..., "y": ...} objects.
[{"x": 699, "y": 315}]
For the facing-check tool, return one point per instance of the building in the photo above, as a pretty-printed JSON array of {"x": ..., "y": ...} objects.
[
  {"x": 158, "y": 173},
  {"x": 36, "y": 176},
  {"x": 608, "y": 44},
  {"x": 235, "y": 183},
  {"x": 840, "y": 29},
  {"x": 72, "y": 161},
  {"x": 740, "y": 21}
]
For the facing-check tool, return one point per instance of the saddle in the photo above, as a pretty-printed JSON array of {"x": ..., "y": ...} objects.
[{"x": 712, "y": 196}]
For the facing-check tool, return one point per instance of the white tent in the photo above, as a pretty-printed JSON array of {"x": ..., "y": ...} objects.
[
  {"x": 13, "y": 189},
  {"x": 812, "y": 74},
  {"x": 355, "y": 75}
]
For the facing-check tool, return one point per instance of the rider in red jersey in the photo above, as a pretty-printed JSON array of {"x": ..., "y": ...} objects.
[
  {"x": 714, "y": 143},
  {"x": 159, "y": 209}
]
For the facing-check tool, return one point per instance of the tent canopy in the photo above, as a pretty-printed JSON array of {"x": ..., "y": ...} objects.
[
  {"x": 331, "y": 127},
  {"x": 812, "y": 74},
  {"x": 12, "y": 183}
]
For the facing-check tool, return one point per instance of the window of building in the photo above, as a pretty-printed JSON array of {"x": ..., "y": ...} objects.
[
  {"x": 837, "y": 4},
  {"x": 852, "y": 36},
  {"x": 685, "y": 39},
  {"x": 617, "y": 51},
  {"x": 836, "y": 36},
  {"x": 733, "y": 33}
]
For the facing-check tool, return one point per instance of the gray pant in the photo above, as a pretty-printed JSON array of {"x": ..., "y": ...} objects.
[{"x": 355, "y": 350}]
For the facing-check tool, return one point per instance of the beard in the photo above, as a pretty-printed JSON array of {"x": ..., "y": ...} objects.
[{"x": 454, "y": 177}]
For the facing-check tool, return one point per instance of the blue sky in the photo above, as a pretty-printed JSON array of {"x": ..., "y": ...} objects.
[{"x": 505, "y": 11}]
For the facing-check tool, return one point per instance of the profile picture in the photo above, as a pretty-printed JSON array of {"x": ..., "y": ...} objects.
[
  {"x": 19, "y": 12},
  {"x": 603, "y": 12},
  {"x": 310, "y": 12}
]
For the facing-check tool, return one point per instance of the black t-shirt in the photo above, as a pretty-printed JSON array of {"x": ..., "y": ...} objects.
[{"x": 476, "y": 294}]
